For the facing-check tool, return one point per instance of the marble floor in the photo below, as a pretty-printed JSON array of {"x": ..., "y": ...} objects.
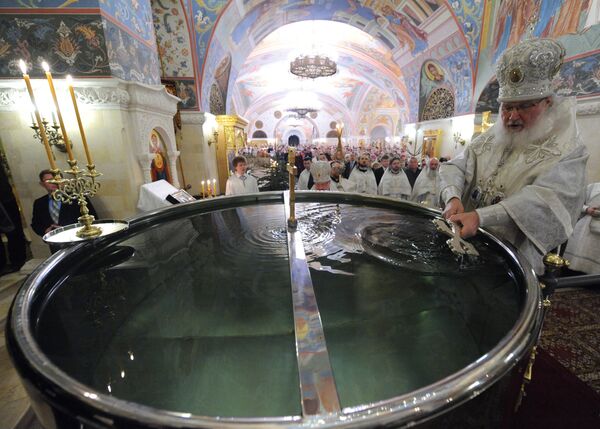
[{"x": 15, "y": 412}]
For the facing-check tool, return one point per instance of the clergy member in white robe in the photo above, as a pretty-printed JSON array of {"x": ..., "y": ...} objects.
[
  {"x": 321, "y": 173},
  {"x": 524, "y": 178},
  {"x": 427, "y": 186},
  {"x": 240, "y": 182},
  {"x": 338, "y": 182},
  {"x": 394, "y": 182},
  {"x": 583, "y": 248},
  {"x": 304, "y": 176},
  {"x": 363, "y": 177}
]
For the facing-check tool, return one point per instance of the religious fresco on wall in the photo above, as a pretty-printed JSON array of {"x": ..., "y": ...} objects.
[
  {"x": 159, "y": 166},
  {"x": 129, "y": 58},
  {"x": 51, "y": 3},
  {"x": 433, "y": 76},
  {"x": 172, "y": 38},
  {"x": 72, "y": 44},
  {"x": 579, "y": 77},
  {"x": 136, "y": 15},
  {"x": 469, "y": 15},
  {"x": 488, "y": 100},
  {"x": 186, "y": 90},
  {"x": 461, "y": 78},
  {"x": 222, "y": 75},
  {"x": 551, "y": 18}
]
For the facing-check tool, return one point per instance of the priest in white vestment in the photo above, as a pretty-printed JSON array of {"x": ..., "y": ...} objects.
[
  {"x": 321, "y": 173},
  {"x": 427, "y": 186},
  {"x": 524, "y": 178},
  {"x": 394, "y": 182},
  {"x": 583, "y": 248},
  {"x": 240, "y": 182},
  {"x": 363, "y": 177},
  {"x": 338, "y": 182},
  {"x": 305, "y": 175}
]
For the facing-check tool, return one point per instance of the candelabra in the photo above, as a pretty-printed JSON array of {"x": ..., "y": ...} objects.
[
  {"x": 81, "y": 184},
  {"x": 54, "y": 136}
]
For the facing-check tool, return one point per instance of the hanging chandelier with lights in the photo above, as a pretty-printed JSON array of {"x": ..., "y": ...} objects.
[
  {"x": 313, "y": 66},
  {"x": 301, "y": 112}
]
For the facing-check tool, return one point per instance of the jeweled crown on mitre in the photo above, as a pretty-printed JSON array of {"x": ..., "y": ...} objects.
[
  {"x": 320, "y": 171},
  {"x": 525, "y": 71}
]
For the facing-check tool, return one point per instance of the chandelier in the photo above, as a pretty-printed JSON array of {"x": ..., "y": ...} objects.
[
  {"x": 301, "y": 112},
  {"x": 313, "y": 66}
]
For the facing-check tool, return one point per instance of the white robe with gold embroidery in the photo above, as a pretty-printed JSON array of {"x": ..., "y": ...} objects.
[{"x": 542, "y": 185}]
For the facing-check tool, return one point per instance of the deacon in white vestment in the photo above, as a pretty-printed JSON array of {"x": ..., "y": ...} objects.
[
  {"x": 363, "y": 177},
  {"x": 240, "y": 182},
  {"x": 304, "y": 176},
  {"x": 394, "y": 182},
  {"x": 524, "y": 178},
  {"x": 427, "y": 186},
  {"x": 583, "y": 248},
  {"x": 338, "y": 182}
]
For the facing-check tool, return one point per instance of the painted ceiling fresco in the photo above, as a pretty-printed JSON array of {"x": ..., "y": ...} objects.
[{"x": 361, "y": 59}]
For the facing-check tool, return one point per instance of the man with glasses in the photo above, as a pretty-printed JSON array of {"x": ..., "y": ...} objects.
[{"x": 524, "y": 178}]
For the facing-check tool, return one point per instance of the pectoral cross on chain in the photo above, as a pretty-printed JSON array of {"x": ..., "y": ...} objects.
[{"x": 292, "y": 171}]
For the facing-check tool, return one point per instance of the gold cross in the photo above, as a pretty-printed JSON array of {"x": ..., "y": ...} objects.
[{"x": 292, "y": 171}]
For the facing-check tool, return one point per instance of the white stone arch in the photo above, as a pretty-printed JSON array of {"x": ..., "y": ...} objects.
[
  {"x": 294, "y": 132},
  {"x": 152, "y": 108}
]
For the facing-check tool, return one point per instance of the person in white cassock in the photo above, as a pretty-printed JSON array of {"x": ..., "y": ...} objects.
[
  {"x": 583, "y": 248},
  {"x": 427, "y": 186},
  {"x": 394, "y": 182},
  {"x": 321, "y": 171},
  {"x": 240, "y": 182},
  {"x": 338, "y": 182},
  {"x": 305, "y": 175},
  {"x": 524, "y": 178},
  {"x": 363, "y": 177}
]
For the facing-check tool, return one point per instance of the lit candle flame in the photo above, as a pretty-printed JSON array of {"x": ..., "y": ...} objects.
[
  {"x": 23, "y": 66},
  {"x": 45, "y": 66},
  {"x": 69, "y": 80}
]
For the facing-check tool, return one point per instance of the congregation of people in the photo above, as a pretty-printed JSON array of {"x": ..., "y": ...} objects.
[{"x": 524, "y": 179}]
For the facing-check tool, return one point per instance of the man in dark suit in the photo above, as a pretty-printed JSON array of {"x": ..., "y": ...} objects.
[{"x": 49, "y": 214}]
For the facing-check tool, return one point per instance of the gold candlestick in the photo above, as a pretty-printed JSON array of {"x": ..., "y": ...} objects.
[
  {"x": 46, "y": 68},
  {"x": 38, "y": 119},
  {"x": 88, "y": 156},
  {"x": 214, "y": 187}
]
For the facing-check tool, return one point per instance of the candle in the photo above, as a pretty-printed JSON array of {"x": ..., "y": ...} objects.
[
  {"x": 202, "y": 183},
  {"x": 214, "y": 187},
  {"x": 60, "y": 119},
  {"x": 37, "y": 116},
  {"x": 208, "y": 191},
  {"x": 83, "y": 139},
  {"x": 32, "y": 118},
  {"x": 53, "y": 119}
]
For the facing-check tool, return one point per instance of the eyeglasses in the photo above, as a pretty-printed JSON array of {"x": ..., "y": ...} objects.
[{"x": 520, "y": 107}]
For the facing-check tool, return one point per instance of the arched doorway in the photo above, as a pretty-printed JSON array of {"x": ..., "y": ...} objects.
[{"x": 293, "y": 140}]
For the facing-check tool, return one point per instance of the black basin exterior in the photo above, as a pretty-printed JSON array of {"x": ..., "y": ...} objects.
[{"x": 481, "y": 395}]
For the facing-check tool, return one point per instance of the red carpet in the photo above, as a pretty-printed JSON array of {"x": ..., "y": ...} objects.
[{"x": 565, "y": 391}]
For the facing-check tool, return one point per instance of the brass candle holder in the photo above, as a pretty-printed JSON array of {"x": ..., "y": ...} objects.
[
  {"x": 53, "y": 134},
  {"x": 80, "y": 186}
]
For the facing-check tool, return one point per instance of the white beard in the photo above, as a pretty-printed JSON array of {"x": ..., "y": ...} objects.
[{"x": 540, "y": 130}]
